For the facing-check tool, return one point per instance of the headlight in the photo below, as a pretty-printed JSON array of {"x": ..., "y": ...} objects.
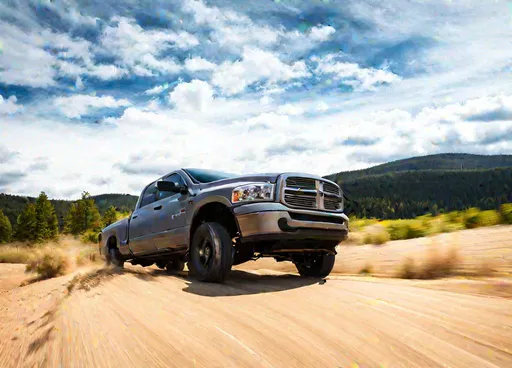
[{"x": 253, "y": 192}]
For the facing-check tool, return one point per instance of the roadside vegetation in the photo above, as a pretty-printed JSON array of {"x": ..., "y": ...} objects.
[
  {"x": 374, "y": 231},
  {"x": 50, "y": 250}
]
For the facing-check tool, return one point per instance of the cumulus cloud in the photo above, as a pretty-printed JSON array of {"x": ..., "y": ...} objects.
[
  {"x": 321, "y": 33},
  {"x": 194, "y": 96},
  {"x": 290, "y": 109},
  {"x": 77, "y": 105},
  {"x": 139, "y": 49},
  {"x": 352, "y": 74},
  {"x": 199, "y": 64},
  {"x": 234, "y": 30},
  {"x": 9, "y": 105},
  {"x": 234, "y": 77}
]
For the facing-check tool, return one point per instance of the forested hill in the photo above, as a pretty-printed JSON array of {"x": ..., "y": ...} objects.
[
  {"x": 12, "y": 205},
  {"x": 444, "y": 161},
  {"x": 429, "y": 184}
]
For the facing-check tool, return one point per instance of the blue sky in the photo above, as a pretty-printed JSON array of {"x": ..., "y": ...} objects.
[{"x": 105, "y": 95}]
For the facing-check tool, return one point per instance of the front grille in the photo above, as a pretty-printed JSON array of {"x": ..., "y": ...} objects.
[
  {"x": 300, "y": 200},
  {"x": 332, "y": 204},
  {"x": 310, "y": 193}
]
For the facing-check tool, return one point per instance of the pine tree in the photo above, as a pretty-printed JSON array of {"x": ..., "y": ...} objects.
[
  {"x": 110, "y": 216},
  {"x": 26, "y": 227},
  {"x": 83, "y": 215},
  {"x": 46, "y": 219},
  {"x": 5, "y": 228}
]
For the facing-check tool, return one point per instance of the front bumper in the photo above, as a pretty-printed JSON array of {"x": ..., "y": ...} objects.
[{"x": 274, "y": 221}]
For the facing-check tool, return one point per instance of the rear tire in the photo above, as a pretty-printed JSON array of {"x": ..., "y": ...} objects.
[
  {"x": 315, "y": 265},
  {"x": 116, "y": 258},
  {"x": 211, "y": 253}
]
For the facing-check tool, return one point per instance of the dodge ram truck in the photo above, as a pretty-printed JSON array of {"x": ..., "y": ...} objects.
[{"x": 213, "y": 220}]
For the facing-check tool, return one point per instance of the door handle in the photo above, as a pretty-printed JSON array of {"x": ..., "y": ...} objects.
[
  {"x": 157, "y": 208},
  {"x": 134, "y": 217}
]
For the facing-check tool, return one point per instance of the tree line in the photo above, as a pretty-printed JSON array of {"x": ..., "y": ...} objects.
[
  {"x": 405, "y": 195},
  {"x": 38, "y": 221}
]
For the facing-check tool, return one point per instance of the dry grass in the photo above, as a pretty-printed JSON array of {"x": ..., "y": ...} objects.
[
  {"x": 10, "y": 254},
  {"x": 51, "y": 259},
  {"x": 48, "y": 263},
  {"x": 374, "y": 234}
]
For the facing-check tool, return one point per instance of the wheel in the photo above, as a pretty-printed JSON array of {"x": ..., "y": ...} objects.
[
  {"x": 161, "y": 265},
  {"x": 116, "y": 258},
  {"x": 108, "y": 259},
  {"x": 315, "y": 265},
  {"x": 175, "y": 265},
  {"x": 211, "y": 255}
]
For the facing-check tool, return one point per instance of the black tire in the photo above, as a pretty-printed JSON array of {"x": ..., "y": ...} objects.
[
  {"x": 211, "y": 255},
  {"x": 108, "y": 259},
  {"x": 161, "y": 265},
  {"x": 176, "y": 265},
  {"x": 116, "y": 258},
  {"x": 316, "y": 265}
]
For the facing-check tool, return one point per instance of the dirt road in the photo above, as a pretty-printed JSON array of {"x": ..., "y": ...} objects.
[{"x": 266, "y": 318}]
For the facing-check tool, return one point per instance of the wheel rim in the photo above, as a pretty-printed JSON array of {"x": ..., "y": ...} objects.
[{"x": 205, "y": 253}]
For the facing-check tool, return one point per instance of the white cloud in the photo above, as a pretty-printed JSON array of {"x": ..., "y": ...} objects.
[
  {"x": 137, "y": 48},
  {"x": 322, "y": 106},
  {"x": 23, "y": 62},
  {"x": 9, "y": 105},
  {"x": 199, "y": 64},
  {"x": 77, "y": 105},
  {"x": 290, "y": 109},
  {"x": 234, "y": 77},
  {"x": 156, "y": 89},
  {"x": 107, "y": 72},
  {"x": 234, "y": 30},
  {"x": 79, "y": 84},
  {"x": 352, "y": 74},
  {"x": 194, "y": 96},
  {"x": 321, "y": 33}
]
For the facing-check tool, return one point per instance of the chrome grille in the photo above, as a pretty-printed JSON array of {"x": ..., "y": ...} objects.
[
  {"x": 331, "y": 189},
  {"x": 332, "y": 204},
  {"x": 310, "y": 193}
]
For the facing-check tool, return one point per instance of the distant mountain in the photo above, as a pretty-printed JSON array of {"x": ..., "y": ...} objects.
[
  {"x": 443, "y": 161},
  {"x": 12, "y": 205},
  {"x": 415, "y": 186}
]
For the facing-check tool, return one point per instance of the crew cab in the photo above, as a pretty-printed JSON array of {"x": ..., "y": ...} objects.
[{"x": 212, "y": 220}]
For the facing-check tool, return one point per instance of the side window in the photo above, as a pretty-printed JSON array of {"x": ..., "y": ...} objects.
[
  {"x": 149, "y": 195},
  {"x": 177, "y": 180}
]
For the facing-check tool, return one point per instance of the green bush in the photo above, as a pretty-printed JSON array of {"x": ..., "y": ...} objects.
[
  {"x": 489, "y": 218},
  {"x": 49, "y": 263},
  {"x": 90, "y": 237},
  {"x": 470, "y": 218},
  {"x": 407, "y": 229},
  {"x": 506, "y": 213}
]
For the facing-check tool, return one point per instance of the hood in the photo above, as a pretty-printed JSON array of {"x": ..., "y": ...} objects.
[{"x": 271, "y": 177}]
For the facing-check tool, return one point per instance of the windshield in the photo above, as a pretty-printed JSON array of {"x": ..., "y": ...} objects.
[{"x": 207, "y": 176}]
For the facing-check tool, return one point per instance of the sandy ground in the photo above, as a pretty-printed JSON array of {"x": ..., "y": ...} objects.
[{"x": 142, "y": 317}]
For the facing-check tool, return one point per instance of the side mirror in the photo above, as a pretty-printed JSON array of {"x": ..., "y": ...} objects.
[{"x": 168, "y": 186}]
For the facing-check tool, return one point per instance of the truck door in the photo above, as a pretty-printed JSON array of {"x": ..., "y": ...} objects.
[
  {"x": 141, "y": 230},
  {"x": 170, "y": 220}
]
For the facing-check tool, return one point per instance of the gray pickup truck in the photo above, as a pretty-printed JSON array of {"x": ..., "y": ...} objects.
[{"x": 214, "y": 220}]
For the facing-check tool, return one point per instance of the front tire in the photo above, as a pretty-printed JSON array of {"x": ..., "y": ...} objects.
[
  {"x": 116, "y": 258},
  {"x": 315, "y": 265},
  {"x": 211, "y": 253}
]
